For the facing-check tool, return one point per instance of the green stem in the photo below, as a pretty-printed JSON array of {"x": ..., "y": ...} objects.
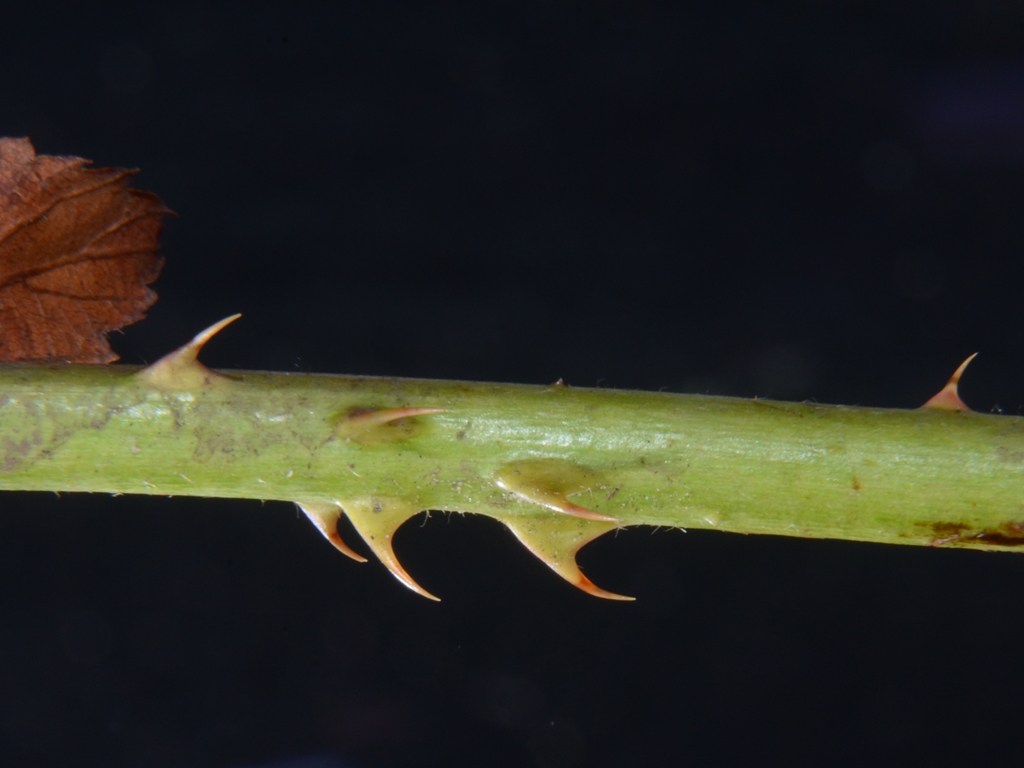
[{"x": 518, "y": 454}]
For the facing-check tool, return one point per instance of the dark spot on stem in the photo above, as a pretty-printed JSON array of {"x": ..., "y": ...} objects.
[
  {"x": 1009, "y": 534},
  {"x": 1006, "y": 535},
  {"x": 948, "y": 529}
]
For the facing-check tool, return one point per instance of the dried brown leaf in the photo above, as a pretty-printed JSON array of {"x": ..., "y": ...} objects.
[{"x": 77, "y": 252}]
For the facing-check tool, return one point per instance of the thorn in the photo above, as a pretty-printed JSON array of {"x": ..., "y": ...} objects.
[
  {"x": 181, "y": 368},
  {"x": 324, "y": 516},
  {"x": 368, "y": 427},
  {"x": 378, "y": 519},
  {"x": 948, "y": 398},
  {"x": 548, "y": 482},
  {"x": 387, "y": 415},
  {"x": 555, "y": 542}
]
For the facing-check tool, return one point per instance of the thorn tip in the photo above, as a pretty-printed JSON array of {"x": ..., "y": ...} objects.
[
  {"x": 378, "y": 425},
  {"x": 204, "y": 336}
]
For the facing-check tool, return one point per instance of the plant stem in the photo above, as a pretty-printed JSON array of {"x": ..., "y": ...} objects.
[{"x": 540, "y": 459}]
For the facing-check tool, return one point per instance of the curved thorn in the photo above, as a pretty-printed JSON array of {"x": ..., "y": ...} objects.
[
  {"x": 555, "y": 542},
  {"x": 554, "y": 501},
  {"x": 181, "y": 368},
  {"x": 370, "y": 427},
  {"x": 948, "y": 398},
  {"x": 377, "y": 519},
  {"x": 325, "y": 516},
  {"x": 549, "y": 483},
  {"x": 387, "y": 415}
]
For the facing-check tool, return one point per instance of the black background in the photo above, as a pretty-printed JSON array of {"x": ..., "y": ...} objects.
[{"x": 798, "y": 200}]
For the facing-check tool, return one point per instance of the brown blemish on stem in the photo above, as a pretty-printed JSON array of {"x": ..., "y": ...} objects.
[
  {"x": 1006, "y": 535},
  {"x": 1009, "y": 534},
  {"x": 946, "y": 533}
]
